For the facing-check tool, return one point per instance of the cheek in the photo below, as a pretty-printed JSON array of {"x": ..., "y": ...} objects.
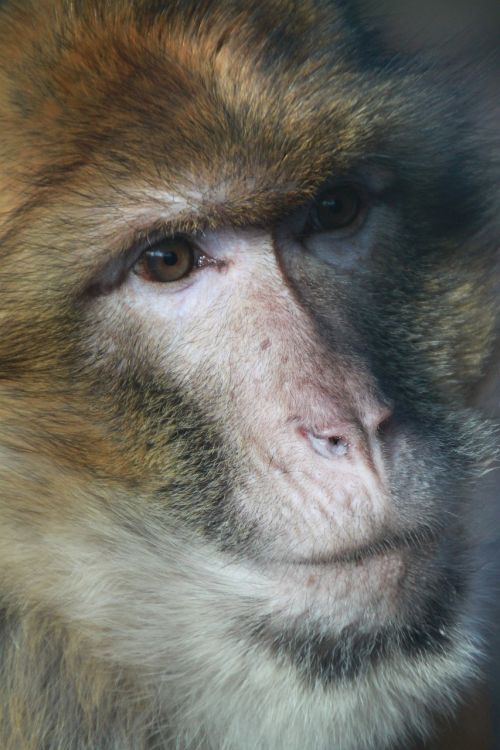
[{"x": 220, "y": 328}]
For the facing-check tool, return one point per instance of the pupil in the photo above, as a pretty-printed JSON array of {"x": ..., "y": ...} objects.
[
  {"x": 333, "y": 206},
  {"x": 170, "y": 258}
]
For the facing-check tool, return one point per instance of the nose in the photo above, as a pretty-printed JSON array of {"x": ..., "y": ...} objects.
[{"x": 343, "y": 438}]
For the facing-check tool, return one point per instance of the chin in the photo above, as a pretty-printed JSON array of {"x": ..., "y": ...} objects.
[
  {"x": 338, "y": 619},
  {"x": 353, "y": 654}
]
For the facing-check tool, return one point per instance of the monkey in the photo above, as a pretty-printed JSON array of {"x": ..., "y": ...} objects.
[{"x": 248, "y": 292}]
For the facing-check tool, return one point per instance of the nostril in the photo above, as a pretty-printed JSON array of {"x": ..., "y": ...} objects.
[
  {"x": 385, "y": 427},
  {"x": 338, "y": 445},
  {"x": 332, "y": 446}
]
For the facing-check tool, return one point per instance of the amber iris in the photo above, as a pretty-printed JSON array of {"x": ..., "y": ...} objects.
[{"x": 170, "y": 259}]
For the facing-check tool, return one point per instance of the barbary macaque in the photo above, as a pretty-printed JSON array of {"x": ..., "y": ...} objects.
[{"x": 247, "y": 294}]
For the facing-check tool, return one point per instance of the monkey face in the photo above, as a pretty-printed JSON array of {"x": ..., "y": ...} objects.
[
  {"x": 331, "y": 495},
  {"x": 246, "y": 298}
]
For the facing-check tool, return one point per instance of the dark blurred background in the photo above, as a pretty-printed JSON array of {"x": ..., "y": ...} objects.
[{"x": 465, "y": 25}]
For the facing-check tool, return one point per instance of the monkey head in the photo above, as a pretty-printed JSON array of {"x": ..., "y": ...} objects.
[{"x": 247, "y": 294}]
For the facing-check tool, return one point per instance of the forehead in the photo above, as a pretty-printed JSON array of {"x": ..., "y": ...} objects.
[{"x": 265, "y": 100}]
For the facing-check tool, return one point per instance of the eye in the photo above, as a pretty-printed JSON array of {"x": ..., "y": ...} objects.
[
  {"x": 335, "y": 208},
  {"x": 169, "y": 259}
]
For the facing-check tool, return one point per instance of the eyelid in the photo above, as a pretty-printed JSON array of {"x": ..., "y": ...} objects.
[
  {"x": 156, "y": 249},
  {"x": 201, "y": 259},
  {"x": 149, "y": 240},
  {"x": 116, "y": 270},
  {"x": 366, "y": 202}
]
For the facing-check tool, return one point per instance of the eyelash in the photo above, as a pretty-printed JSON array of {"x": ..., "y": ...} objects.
[{"x": 159, "y": 261}]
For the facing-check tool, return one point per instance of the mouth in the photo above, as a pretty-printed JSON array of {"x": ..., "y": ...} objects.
[
  {"x": 338, "y": 617},
  {"x": 364, "y": 590},
  {"x": 418, "y": 540}
]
